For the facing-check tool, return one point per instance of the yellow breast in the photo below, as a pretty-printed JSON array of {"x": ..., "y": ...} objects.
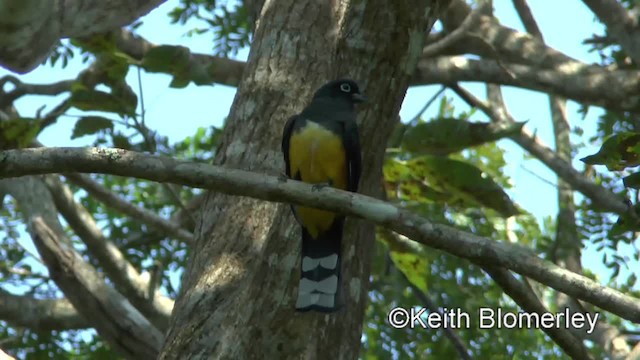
[{"x": 317, "y": 155}]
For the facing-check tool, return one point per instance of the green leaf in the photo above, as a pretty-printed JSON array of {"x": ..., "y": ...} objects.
[
  {"x": 179, "y": 82},
  {"x": 632, "y": 181},
  {"x": 176, "y": 60},
  {"x": 166, "y": 59},
  {"x": 619, "y": 151},
  {"x": 90, "y": 125},
  {"x": 18, "y": 132},
  {"x": 95, "y": 100},
  {"x": 122, "y": 142},
  {"x": 410, "y": 258},
  {"x": 447, "y": 135},
  {"x": 465, "y": 181},
  {"x": 402, "y": 184}
]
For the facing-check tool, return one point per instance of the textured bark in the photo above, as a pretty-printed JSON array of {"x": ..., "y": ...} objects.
[
  {"x": 244, "y": 265},
  {"x": 621, "y": 24},
  {"x": 31, "y": 27},
  {"x": 114, "y": 318},
  {"x": 39, "y": 314},
  {"x": 239, "y": 182},
  {"x": 143, "y": 215},
  {"x": 529, "y": 302},
  {"x": 613, "y": 90},
  {"x": 114, "y": 263}
]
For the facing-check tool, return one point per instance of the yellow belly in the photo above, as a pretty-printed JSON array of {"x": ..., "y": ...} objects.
[{"x": 318, "y": 156}]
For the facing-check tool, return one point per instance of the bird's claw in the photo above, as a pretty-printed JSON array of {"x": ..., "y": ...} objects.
[
  {"x": 283, "y": 177},
  {"x": 320, "y": 186}
]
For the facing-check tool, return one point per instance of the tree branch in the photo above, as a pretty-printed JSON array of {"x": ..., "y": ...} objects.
[
  {"x": 492, "y": 40},
  {"x": 20, "y": 89},
  {"x": 39, "y": 314},
  {"x": 574, "y": 80},
  {"x": 599, "y": 195},
  {"x": 529, "y": 302},
  {"x": 223, "y": 70},
  {"x": 457, "y": 34},
  {"x": 615, "y": 90},
  {"x": 115, "y": 319},
  {"x": 32, "y": 27},
  {"x": 125, "y": 276},
  {"x": 141, "y": 214},
  {"x": 239, "y": 182},
  {"x": 567, "y": 247},
  {"x": 620, "y": 24}
]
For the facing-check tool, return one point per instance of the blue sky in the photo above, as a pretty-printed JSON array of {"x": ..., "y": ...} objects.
[{"x": 176, "y": 113}]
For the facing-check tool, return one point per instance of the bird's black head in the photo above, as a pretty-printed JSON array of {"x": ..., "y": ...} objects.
[{"x": 341, "y": 89}]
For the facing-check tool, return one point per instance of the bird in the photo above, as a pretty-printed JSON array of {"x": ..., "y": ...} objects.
[{"x": 321, "y": 146}]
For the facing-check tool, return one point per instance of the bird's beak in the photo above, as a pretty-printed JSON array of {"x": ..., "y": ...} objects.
[{"x": 358, "y": 98}]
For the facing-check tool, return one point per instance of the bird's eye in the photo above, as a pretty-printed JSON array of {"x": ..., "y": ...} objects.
[{"x": 345, "y": 87}]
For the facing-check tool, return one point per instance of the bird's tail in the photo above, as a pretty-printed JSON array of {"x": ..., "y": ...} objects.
[{"x": 320, "y": 270}]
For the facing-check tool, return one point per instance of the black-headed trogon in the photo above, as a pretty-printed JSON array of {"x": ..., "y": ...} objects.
[{"x": 321, "y": 146}]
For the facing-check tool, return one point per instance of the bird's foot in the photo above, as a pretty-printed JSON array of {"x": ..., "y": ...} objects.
[
  {"x": 320, "y": 186},
  {"x": 282, "y": 177}
]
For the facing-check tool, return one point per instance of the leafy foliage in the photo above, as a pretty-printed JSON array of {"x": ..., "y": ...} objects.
[
  {"x": 18, "y": 132},
  {"x": 619, "y": 151},
  {"x": 448, "y": 169},
  {"x": 229, "y": 24},
  {"x": 446, "y": 135},
  {"x": 89, "y": 125}
]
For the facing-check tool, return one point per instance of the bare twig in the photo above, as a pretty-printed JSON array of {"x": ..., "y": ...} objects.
[
  {"x": 114, "y": 201},
  {"x": 457, "y": 34}
]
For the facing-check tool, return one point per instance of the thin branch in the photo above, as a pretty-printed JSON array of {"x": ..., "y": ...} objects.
[
  {"x": 39, "y": 314},
  {"x": 526, "y": 16},
  {"x": 222, "y": 70},
  {"x": 599, "y": 195},
  {"x": 260, "y": 186},
  {"x": 20, "y": 89},
  {"x": 615, "y": 90},
  {"x": 115, "y": 319},
  {"x": 507, "y": 44},
  {"x": 529, "y": 302},
  {"x": 115, "y": 264},
  {"x": 141, "y": 214},
  {"x": 405, "y": 244},
  {"x": 457, "y": 343},
  {"x": 545, "y": 69},
  {"x": 536, "y": 175},
  {"x": 620, "y": 24},
  {"x": 567, "y": 246},
  {"x": 435, "y": 96},
  {"x": 456, "y": 35}
]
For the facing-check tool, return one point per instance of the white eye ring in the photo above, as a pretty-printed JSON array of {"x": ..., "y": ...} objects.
[{"x": 345, "y": 87}]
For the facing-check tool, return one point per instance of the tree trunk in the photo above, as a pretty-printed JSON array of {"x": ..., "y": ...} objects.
[{"x": 237, "y": 300}]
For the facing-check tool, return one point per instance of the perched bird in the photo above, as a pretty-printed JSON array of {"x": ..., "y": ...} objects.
[{"x": 321, "y": 146}]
